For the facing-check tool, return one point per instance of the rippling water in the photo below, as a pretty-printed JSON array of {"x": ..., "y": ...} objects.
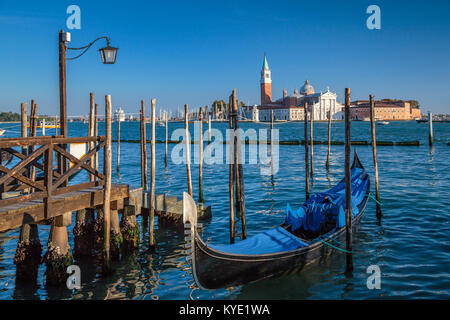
[{"x": 410, "y": 244}]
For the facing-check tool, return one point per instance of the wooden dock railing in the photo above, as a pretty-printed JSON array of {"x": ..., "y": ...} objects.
[{"x": 49, "y": 180}]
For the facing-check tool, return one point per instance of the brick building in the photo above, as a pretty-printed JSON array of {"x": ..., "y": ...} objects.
[{"x": 384, "y": 110}]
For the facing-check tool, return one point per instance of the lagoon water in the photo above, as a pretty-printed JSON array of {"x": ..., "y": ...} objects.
[{"x": 411, "y": 244}]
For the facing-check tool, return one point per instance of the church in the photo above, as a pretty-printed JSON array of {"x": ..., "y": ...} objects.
[{"x": 291, "y": 107}]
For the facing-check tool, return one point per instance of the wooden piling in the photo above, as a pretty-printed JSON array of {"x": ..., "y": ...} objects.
[
  {"x": 167, "y": 139},
  {"x": 96, "y": 134},
  {"x": 306, "y": 151},
  {"x": 231, "y": 170},
  {"x": 201, "y": 199},
  {"x": 118, "y": 146},
  {"x": 209, "y": 128},
  {"x": 107, "y": 187},
  {"x": 188, "y": 148},
  {"x": 29, "y": 248},
  {"x": 348, "y": 194},
  {"x": 239, "y": 169},
  {"x": 24, "y": 123},
  {"x": 56, "y": 125},
  {"x": 430, "y": 125},
  {"x": 152, "y": 178},
  {"x": 271, "y": 141},
  {"x": 43, "y": 126},
  {"x": 33, "y": 130},
  {"x": 91, "y": 130},
  {"x": 144, "y": 182},
  {"x": 311, "y": 143},
  {"x": 327, "y": 165},
  {"x": 374, "y": 151}
]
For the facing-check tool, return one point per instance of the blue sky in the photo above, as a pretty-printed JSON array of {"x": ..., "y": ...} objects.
[{"x": 197, "y": 51}]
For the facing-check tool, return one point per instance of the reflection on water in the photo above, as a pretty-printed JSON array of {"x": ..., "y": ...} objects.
[{"x": 410, "y": 244}]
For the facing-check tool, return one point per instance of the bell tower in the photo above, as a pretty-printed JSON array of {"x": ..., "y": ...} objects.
[{"x": 266, "y": 83}]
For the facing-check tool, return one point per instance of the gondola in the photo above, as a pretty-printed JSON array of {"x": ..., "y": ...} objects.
[{"x": 306, "y": 238}]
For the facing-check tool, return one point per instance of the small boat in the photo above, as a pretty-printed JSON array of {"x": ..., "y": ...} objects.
[
  {"x": 382, "y": 123},
  {"x": 307, "y": 236},
  {"x": 2, "y": 131}
]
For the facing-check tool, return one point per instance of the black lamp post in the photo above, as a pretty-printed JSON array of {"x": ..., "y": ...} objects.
[{"x": 108, "y": 55}]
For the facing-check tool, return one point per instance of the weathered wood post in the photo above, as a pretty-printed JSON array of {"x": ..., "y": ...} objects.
[
  {"x": 271, "y": 141},
  {"x": 201, "y": 199},
  {"x": 144, "y": 182},
  {"x": 188, "y": 148},
  {"x": 306, "y": 150},
  {"x": 329, "y": 139},
  {"x": 107, "y": 187},
  {"x": 236, "y": 162},
  {"x": 32, "y": 131},
  {"x": 96, "y": 134},
  {"x": 239, "y": 169},
  {"x": 152, "y": 178},
  {"x": 231, "y": 171},
  {"x": 209, "y": 127},
  {"x": 118, "y": 146},
  {"x": 56, "y": 125},
  {"x": 311, "y": 142},
  {"x": 29, "y": 248},
  {"x": 91, "y": 130},
  {"x": 374, "y": 151},
  {"x": 430, "y": 124},
  {"x": 167, "y": 139},
  {"x": 348, "y": 191}
]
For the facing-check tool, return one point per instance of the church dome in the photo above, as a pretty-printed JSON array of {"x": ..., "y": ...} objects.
[{"x": 307, "y": 88}]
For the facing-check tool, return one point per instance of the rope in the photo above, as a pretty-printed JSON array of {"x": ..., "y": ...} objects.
[
  {"x": 329, "y": 244},
  {"x": 371, "y": 197}
]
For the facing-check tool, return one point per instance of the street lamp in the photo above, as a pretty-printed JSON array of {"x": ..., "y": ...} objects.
[{"x": 108, "y": 55}]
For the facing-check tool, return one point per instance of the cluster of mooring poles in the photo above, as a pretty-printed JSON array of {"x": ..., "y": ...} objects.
[
  {"x": 236, "y": 172},
  {"x": 309, "y": 169}
]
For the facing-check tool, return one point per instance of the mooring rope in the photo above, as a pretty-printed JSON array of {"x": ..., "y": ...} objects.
[
  {"x": 371, "y": 197},
  {"x": 329, "y": 244}
]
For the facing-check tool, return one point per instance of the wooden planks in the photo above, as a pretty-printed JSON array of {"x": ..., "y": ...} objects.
[{"x": 14, "y": 216}]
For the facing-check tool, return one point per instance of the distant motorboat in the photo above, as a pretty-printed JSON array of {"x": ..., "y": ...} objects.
[{"x": 383, "y": 123}]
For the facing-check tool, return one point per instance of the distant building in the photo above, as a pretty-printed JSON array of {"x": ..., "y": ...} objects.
[
  {"x": 292, "y": 107},
  {"x": 250, "y": 113},
  {"x": 119, "y": 115},
  {"x": 385, "y": 109}
]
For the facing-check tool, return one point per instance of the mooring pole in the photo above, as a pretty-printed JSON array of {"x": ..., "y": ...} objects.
[
  {"x": 311, "y": 141},
  {"x": 209, "y": 128},
  {"x": 152, "y": 178},
  {"x": 430, "y": 124},
  {"x": 33, "y": 130},
  {"x": 374, "y": 151},
  {"x": 91, "y": 130},
  {"x": 239, "y": 169},
  {"x": 118, "y": 145},
  {"x": 201, "y": 199},
  {"x": 43, "y": 127},
  {"x": 188, "y": 148},
  {"x": 348, "y": 191},
  {"x": 231, "y": 170},
  {"x": 306, "y": 150},
  {"x": 96, "y": 135},
  {"x": 144, "y": 182},
  {"x": 24, "y": 123},
  {"x": 329, "y": 139},
  {"x": 271, "y": 141},
  {"x": 107, "y": 187},
  {"x": 167, "y": 139}
]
